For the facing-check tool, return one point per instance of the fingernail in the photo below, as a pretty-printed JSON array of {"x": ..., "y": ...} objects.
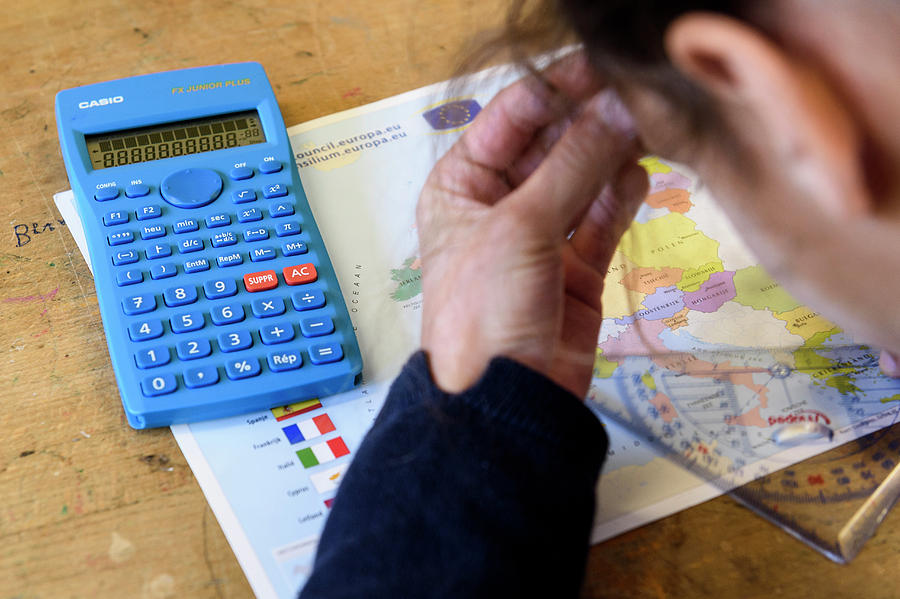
[
  {"x": 612, "y": 111},
  {"x": 889, "y": 364}
]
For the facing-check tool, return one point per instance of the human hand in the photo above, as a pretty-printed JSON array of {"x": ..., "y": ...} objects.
[{"x": 502, "y": 276}]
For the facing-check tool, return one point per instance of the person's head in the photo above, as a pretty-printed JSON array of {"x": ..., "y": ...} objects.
[{"x": 787, "y": 110}]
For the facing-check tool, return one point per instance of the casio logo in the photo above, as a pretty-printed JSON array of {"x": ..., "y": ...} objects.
[{"x": 101, "y": 102}]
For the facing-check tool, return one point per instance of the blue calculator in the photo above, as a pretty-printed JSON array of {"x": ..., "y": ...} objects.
[{"x": 216, "y": 292}]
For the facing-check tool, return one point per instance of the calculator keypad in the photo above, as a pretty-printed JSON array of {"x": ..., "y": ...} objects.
[{"x": 218, "y": 315}]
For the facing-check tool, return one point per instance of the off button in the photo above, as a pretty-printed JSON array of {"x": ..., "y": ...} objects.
[
  {"x": 261, "y": 281},
  {"x": 191, "y": 188}
]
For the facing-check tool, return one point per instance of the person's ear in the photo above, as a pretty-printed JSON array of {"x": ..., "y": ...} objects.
[{"x": 777, "y": 104}]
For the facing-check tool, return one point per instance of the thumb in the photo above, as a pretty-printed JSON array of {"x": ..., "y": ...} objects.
[{"x": 586, "y": 158}]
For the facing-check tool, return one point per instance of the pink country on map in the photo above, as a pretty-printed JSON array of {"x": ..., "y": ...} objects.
[{"x": 712, "y": 294}]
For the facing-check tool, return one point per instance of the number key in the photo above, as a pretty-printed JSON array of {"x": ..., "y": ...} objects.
[
  {"x": 145, "y": 329},
  {"x": 227, "y": 314},
  {"x": 152, "y": 357},
  {"x": 187, "y": 321},
  {"x": 193, "y": 349},
  {"x": 235, "y": 341},
  {"x": 159, "y": 385},
  {"x": 179, "y": 296},
  {"x": 139, "y": 304},
  {"x": 219, "y": 288}
]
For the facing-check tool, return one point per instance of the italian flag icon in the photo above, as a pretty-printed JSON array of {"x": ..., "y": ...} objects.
[{"x": 322, "y": 453}]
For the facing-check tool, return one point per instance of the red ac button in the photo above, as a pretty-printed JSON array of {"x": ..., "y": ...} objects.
[{"x": 300, "y": 274}]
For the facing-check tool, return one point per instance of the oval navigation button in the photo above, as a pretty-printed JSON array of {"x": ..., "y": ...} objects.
[{"x": 191, "y": 188}]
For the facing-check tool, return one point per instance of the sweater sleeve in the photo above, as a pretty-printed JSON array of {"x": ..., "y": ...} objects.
[{"x": 486, "y": 493}]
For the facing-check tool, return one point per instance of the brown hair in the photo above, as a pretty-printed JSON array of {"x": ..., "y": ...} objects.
[{"x": 624, "y": 40}]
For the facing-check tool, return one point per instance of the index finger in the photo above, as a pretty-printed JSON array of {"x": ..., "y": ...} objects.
[{"x": 506, "y": 126}]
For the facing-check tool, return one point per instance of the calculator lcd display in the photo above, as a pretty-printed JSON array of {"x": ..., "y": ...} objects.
[{"x": 145, "y": 144}]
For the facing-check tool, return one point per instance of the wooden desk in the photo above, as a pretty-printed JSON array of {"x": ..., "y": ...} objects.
[{"x": 91, "y": 508}]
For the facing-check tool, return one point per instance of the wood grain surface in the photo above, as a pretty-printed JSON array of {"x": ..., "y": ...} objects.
[{"x": 92, "y": 508}]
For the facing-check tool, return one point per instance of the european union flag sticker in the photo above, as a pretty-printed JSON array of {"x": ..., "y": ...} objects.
[{"x": 452, "y": 115}]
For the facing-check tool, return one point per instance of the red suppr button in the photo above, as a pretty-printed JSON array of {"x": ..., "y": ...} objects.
[{"x": 261, "y": 281}]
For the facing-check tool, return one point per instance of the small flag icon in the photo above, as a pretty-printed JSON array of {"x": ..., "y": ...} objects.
[
  {"x": 308, "y": 429},
  {"x": 322, "y": 453},
  {"x": 329, "y": 479},
  {"x": 452, "y": 115},
  {"x": 295, "y": 409}
]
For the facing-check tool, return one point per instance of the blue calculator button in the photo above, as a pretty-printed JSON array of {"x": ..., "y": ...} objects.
[
  {"x": 239, "y": 173},
  {"x": 280, "y": 332},
  {"x": 139, "y": 304},
  {"x": 269, "y": 165},
  {"x": 129, "y": 277},
  {"x": 223, "y": 239},
  {"x": 120, "y": 238},
  {"x": 264, "y": 307},
  {"x": 106, "y": 194},
  {"x": 129, "y": 257},
  {"x": 198, "y": 265},
  {"x": 137, "y": 190},
  {"x": 192, "y": 244},
  {"x": 218, "y": 220},
  {"x": 193, "y": 349},
  {"x": 148, "y": 212},
  {"x": 179, "y": 296},
  {"x": 325, "y": 353},
  {"x": 202, "y": 376},
  {"x": 279, "y": 209},
  {"x": 158, "y": 251},
  {"x": 249, "y": 215},
  {"x": 219, "y": 288},
  {"x": 274, "y": 190},
  {"x": 235, "y": 341},
  {"x": 191, "y": 188},
  {"x": 187, "y": 322},
  {"x": 145, "y": 329},
  {"x": 153, "y": 231},
  {"x": 262, "y": 254},
  {"x": 308, "y": 299},
  {"x": 163, "y": 271},
  {"x": 293, "y": 248},
  {"x": 152, "y": 357},
  {"x": 242, "y": 196},
  {"x": 256, "y": 234},
  {"x": 115, "y": 218},
  {"x": 227, "y": 314},
  {"x": 287, "y": 229},
  {"x": 232, "y": 259},
  {"x": 316, "y": 327},
  {"x": 159, "y": 385},
  {"x": 187, "y": 225},
  {"x": 242, "y": 369},
  {"x": 284, "y": 360}
]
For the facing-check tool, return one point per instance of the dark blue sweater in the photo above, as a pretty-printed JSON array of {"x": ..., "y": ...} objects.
[{"x": 488, "y": 493}]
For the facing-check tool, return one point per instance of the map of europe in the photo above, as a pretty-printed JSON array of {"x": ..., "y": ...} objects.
[{"x": 704, "y": 353}]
